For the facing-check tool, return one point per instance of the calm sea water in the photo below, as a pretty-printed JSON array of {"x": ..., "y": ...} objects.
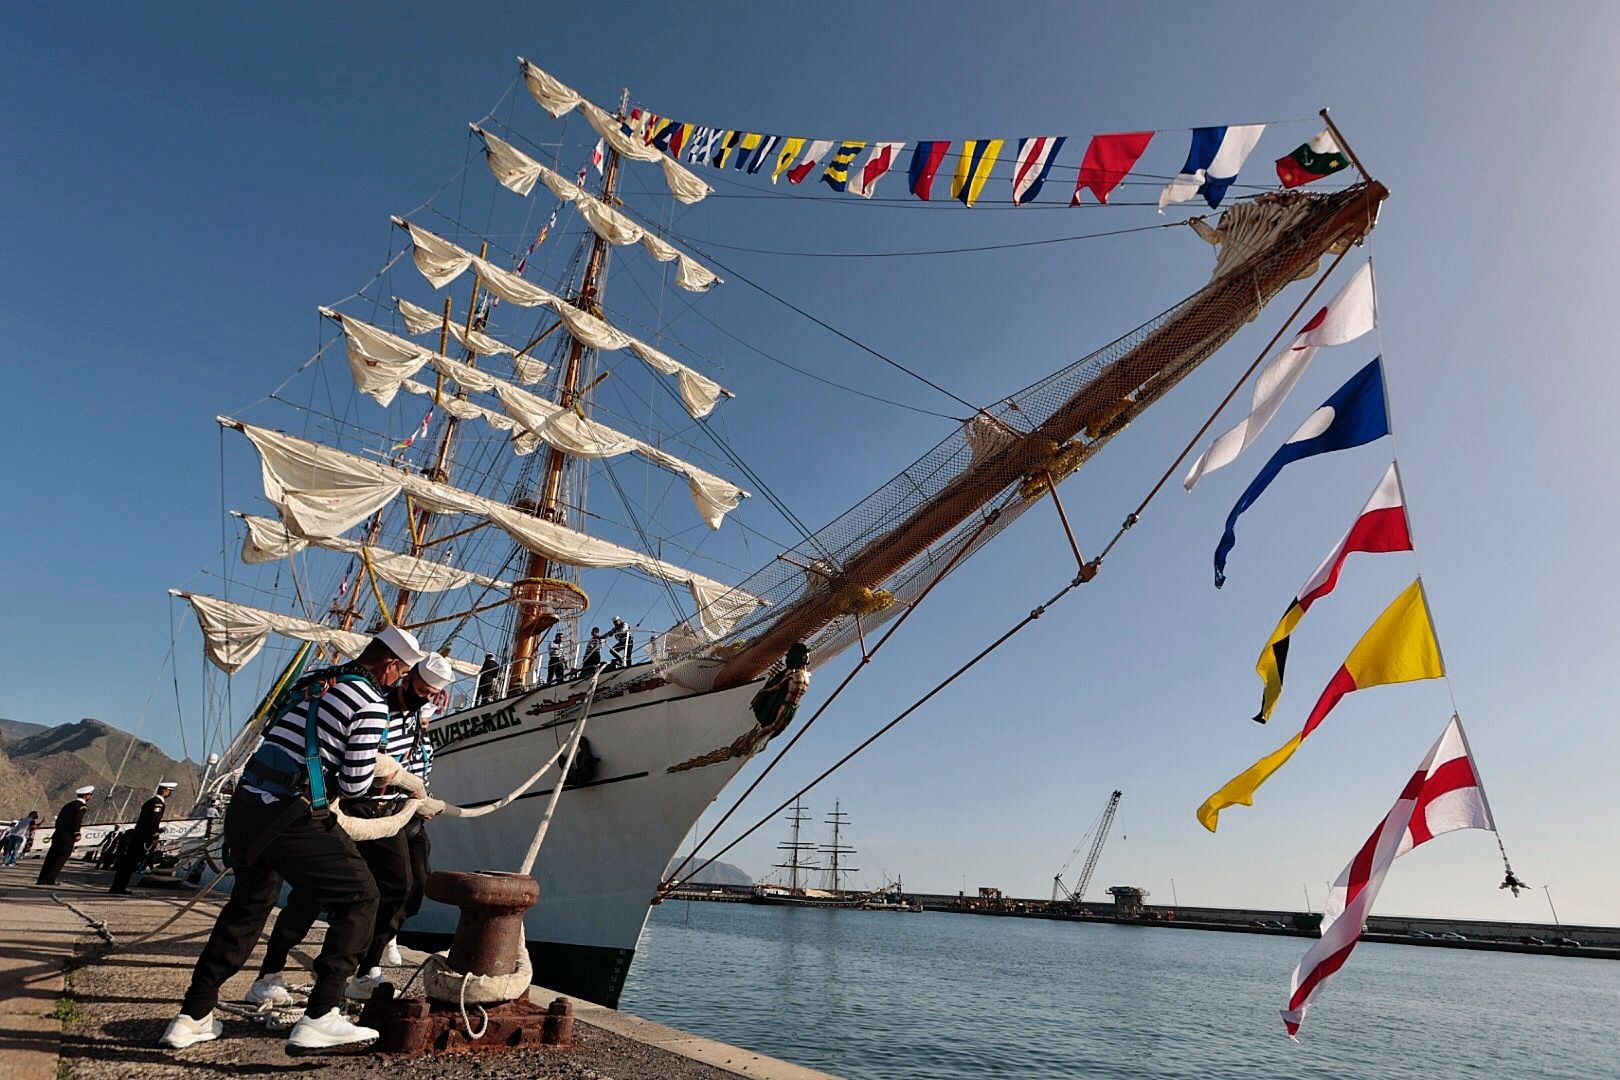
[{"x": 879, "y": 996}]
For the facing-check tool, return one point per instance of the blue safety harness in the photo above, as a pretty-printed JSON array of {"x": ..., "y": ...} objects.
[{"x": 261, "y": 770}]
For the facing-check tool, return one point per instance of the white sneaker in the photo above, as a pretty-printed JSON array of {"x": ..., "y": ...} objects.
[
  {"x": 391, "y": 953},
  {"x": 361, "y": 986},
  {"x": 183, "y": 1031},
  {"x": 329, "y": 1034},
  {"x": 268, "y": 989}
]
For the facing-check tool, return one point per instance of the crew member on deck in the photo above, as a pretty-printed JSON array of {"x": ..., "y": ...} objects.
[
  {"x": 488, "y": 676},
  {"x": 557, "y": 668},
  {"x": 593, "y": 654},
  {"x": 621, "y": 644},
  {"x": 69, "y": 821},
  {"x": 322, "y": 740},
  {"x": 141, "y": 839}
]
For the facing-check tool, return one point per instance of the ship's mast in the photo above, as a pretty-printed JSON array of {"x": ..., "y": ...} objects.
[
  {"x": 837, "y": 820},
  {"x": 440, "y": 473},
  {"x": 534, "y": 620},
  {"x": 793, "y": 847}
]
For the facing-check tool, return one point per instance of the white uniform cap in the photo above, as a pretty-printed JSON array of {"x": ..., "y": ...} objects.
[
  {"x": 436, "y": 671},
  {"x": 88, "y": 789},
  {"x": 168, "y": 783},
  {"x": 402, "y": 643}
]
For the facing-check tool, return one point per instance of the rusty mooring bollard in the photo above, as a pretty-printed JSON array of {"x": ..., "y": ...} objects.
[
  {"x": 490, "y": 930},
  {"x": 558, "y": 1027}
]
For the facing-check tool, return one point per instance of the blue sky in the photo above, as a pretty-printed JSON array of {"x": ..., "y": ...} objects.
[{"x": 184, "y": 189}]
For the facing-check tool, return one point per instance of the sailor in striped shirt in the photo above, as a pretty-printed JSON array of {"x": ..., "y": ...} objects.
[
  {"x": 399, "y": 862},
  {"x": 277, "y": 829}
]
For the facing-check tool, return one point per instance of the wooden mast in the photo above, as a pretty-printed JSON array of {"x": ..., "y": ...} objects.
[
  {"x": 533, "y": 621},
  {"x": 440, "y": 472},
  {"x": 1204, "y": 319}
]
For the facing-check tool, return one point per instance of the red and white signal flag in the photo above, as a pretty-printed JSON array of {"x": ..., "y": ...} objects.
[{"x": 1444, "y": 795}]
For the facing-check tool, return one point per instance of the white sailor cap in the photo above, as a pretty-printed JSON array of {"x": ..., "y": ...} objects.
[
  {"x": 436, "y": 671},
  {"x": 402, "y": 643},
  {"x": 168, "y": 784},
  {"x": 88, "y": 789}
]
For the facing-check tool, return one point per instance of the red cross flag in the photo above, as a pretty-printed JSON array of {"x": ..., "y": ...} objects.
[{"x": 1442, "y": 796}]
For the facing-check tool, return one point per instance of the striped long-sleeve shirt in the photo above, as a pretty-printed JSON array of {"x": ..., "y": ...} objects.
[
  {"x": 350, "y": 721},
  {"x": 404, "y": 746}
]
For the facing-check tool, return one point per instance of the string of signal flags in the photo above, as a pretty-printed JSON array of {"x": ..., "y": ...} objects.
[
  {"x": 1445, "y": 793},
  {"x": 856, "y": 166}
]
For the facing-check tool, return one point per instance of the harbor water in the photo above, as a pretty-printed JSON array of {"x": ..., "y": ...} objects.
[{"x": 882, "y": 995}]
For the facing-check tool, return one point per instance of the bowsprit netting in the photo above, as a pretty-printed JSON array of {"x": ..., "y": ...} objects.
[{"x": 879, "y": 556}]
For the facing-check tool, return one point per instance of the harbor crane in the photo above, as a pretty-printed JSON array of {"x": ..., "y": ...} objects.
[{"x": 1098, "y": 833}]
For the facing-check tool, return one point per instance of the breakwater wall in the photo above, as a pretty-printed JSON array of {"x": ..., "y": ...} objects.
[{"x": 1532, "y": 937}]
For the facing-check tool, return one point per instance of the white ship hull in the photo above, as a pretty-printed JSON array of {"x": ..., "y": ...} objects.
[{"x": 614, "y": 831}]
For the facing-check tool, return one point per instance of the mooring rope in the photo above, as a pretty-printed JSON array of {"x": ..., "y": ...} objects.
[{"x": 98, "y": 925}]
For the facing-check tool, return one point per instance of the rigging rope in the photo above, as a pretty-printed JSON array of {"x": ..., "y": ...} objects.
[
  {"x": 1087, "y": 572},
  {"x": 936, "y": 251},
  {"x": 866, "y": 658}
]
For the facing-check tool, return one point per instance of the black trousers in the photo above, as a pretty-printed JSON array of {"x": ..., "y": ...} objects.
[
  {"x": 416, "y": 838},
  {"x": 389, "y": 864},
  {"x": 56, "y": 857},
  {"x": 556, "y": 672},
  {"x": 280, "y": 841},
  {"x": 130, "y": 861}
]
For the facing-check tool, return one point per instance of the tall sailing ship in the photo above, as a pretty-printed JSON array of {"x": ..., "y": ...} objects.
[{"x": 476, "y": 532}]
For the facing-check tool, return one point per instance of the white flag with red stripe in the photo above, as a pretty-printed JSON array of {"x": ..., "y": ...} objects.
[
  {"x": 1346, "y": 317},
  {"x": 1444, "y": 795},
  {"x": 879, "y": 160}
]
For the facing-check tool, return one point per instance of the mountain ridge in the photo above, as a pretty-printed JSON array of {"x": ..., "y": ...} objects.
[{"x": 41, "y": 766}]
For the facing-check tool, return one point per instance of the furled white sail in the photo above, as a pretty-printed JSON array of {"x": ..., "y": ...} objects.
[
  {"x": 516, "y": 171},
  {"x": 552, "y": 95},
  {"x": 524, "y": 442},
  {"x": 440, "y": 261},
  {"x": 381, "y": 361},
  {"x": 699, "y": 393},
  {"x": 322, "y": 492},
  {"x": 557, "y": 99},
  {"x": 378, "y": 360},
  {"x": 419, "y": 320},
  {"x": 574, "y": 434},
  {"x": 234, "y": 633},
  {"x": 371, "y": 353},
  {"x": 269, "y": 540}
]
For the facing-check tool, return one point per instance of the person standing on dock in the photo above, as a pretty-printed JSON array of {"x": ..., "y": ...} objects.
[
  {"x": 278, "y": 827},
  {"x": 18, "y": 838},
  {"x": 141, "y": 839},
  {"x": 69, "y": 822}
]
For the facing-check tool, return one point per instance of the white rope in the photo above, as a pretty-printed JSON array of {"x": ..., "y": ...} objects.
[
  {"x": 483, "y": 1017},
  {"x": 441, "y": 982},
  {"x": 99, "y": 926},
  {"x": 556, "y": 793}
]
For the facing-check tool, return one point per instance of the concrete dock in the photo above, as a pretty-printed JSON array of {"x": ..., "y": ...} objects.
[{"x": 75, "y": 1007}]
